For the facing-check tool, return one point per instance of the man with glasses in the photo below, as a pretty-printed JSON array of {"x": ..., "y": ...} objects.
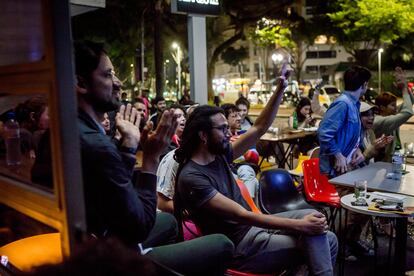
[
  {"x": 117, "y": 205},
  {"x": 207, "y": 192}
]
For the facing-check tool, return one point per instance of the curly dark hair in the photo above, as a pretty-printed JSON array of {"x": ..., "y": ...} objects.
[{"x": 199, "y": 120}]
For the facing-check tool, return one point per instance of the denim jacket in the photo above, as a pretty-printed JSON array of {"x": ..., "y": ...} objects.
[{"x": 338, "y": 131}]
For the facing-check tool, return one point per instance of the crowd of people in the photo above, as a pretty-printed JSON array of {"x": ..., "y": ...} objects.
[
  {"x": 196, "y": 181},
  {"x": 192, "y": 157}
]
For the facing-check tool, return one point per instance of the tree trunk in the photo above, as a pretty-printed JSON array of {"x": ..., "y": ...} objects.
[{"x": 158, "y": 54}]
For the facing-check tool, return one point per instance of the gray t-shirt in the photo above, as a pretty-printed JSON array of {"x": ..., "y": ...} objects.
[{"x": 197, "y": 184}]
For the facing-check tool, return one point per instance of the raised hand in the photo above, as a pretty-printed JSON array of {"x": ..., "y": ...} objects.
[
  {"x": 400, "y": 77},
  {"x": 127, "y": 123},
  {"x": 154, "y": 142}
]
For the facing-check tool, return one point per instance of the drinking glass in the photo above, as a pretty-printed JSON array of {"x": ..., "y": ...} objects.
[{"x": 360, "y": 190}]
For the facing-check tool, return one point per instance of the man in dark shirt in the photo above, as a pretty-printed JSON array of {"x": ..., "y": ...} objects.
[
  {"x": 207, "y": 191},
  {"x": 115, "y": 205},
  {"x": 160, "y": 106}
]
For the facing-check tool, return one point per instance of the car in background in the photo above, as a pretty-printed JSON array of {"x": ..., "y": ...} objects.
[{"x": 331, "y": 91}]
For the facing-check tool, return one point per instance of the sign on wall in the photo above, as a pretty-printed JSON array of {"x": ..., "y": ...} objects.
[{"x": 202, "y": 7}]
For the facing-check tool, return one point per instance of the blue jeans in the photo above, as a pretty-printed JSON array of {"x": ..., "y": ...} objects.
[{"x": 270, "y": 251}]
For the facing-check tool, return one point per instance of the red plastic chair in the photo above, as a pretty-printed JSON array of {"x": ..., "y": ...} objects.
[{"x": 318, "y": 190}]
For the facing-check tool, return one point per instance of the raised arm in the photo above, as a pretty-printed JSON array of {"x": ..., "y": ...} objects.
[
  {"x": 262, "y": 123},
  {"x": 405, "y": 111},
  {"x": 316, "y": 107}
]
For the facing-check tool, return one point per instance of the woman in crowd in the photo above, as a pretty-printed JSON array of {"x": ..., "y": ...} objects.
[
  {"x": 33, "y": 118},
  {"x": 370, "y": 145},
  {"x": 390, "y": 117},
  {"x": 303, "y": 113},
  {"x": 305, "y": 120}
]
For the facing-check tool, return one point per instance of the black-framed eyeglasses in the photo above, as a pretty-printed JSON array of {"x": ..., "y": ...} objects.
[{"x": 224, "y": 128}]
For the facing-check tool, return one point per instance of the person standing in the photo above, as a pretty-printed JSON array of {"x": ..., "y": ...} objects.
[{"x": 339, "y": 132}]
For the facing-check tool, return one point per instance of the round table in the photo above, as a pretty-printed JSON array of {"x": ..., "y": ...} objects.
[{"x": 401, "y": 226}]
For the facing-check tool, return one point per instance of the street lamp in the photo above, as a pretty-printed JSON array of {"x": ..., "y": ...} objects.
[
  {"x": 178, "y": 57},
  {"x": 380, "y": 50},
  {"x": 277, "y": 58}
]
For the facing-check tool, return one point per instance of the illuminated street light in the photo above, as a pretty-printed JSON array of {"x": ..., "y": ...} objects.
[
  {"x": 380, "y": 51},
  {"x": 277, "y": 58}
]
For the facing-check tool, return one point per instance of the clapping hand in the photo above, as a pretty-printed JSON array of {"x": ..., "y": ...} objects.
[
  {"x": 382, "y": 141},
  {"x": 127, "y": 124},
  {"x": 154, "y": 142}
]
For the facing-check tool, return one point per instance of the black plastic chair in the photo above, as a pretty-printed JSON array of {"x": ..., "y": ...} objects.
[{"x": 277, "y": 193}]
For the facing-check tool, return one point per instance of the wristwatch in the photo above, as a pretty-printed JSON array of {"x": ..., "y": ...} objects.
[{"x": 128, "y": 150}]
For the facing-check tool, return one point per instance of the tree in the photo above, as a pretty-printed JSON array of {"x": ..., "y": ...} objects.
[
  {"x": 272, "y": 35},
  {"x": 362, "y": 26},
  {"x": 231, "y": 26},
  {"x": 235, "y": 57}
]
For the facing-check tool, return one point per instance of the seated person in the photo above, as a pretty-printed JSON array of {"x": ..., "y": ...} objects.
[
  {"x": 305, "y": 120},
  {"x": 243, "y": 165},
  {"x": 370, "y": 144},
  {"x": 142, "y": 111},
  {"x": 207, "y": 191},
  {"x": 244, "y": 106},
  {"x": 33, "y": 119},
  {"x": 304, "y": 114},
  {"x": 106, "y": 123},
  {"x": 179, "y": 112},
  {"x": 390, "y": 118},
  {"x": 115, "y": 204}
]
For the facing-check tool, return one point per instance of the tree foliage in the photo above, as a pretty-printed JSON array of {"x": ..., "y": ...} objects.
[
  {"x": 272, "y": 33},
  {"x": 362, "y": 26},
  {"x": 235, "y": 57}
]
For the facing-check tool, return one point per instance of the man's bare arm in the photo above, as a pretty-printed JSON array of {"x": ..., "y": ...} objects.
[
  {"x": 262, "y": 123},
  {"x": 312, "y": 224}
]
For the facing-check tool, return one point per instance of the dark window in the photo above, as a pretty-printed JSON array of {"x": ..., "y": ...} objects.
[
  {"x": 311, "y": 69},
  {"x": 311, "y": 54},
  {"x": 312, "y": 3},
  {"x": 321, "y": 54},
  {"x": 323, "y": 68}
]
